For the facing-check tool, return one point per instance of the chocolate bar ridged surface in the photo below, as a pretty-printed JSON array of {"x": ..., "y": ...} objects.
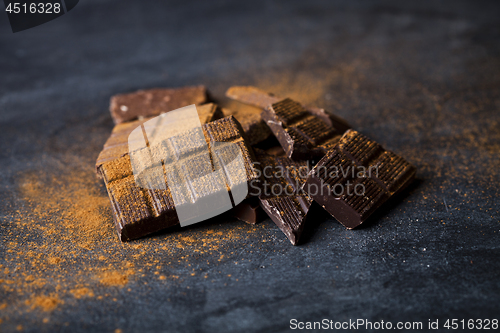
[
  {"x": 229, "y": 130},
  {"x": 140, "y": 210},
  {"x": 152, "y": 102},
  {"x": 282, "y": 197},
  {"x": 136, "y": 211},
  {"x": 356, "y": 177},
  {"x": 117, "y": 144},
  {"x": 301, "y": 134}
]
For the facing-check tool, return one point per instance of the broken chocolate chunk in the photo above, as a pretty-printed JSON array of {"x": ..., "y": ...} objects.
[
  {"x": 301, "y": 134},
  {"x": 140, "y": 210},
  {"x": 152, "y": 102},
  {"x": 356, "y": 177},
  {"x": 249, "y": 117},
  {"x": 259, "y": 98},
  {"x": 281, "y": 193},
  {"x": 249, "y": 211},
  {"x": 252, "y": 96}
]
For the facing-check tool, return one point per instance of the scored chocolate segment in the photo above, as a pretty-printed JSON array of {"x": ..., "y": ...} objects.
[
  {"x": 117, "y": 144},
  {"x": 136, "y": 211},
  {"x": 141, "y": 210},
  {"x": 281, "y": 195},
  {"x": 228, "y": 129},
  {"x": 356, "y": 177},
  {"x": 152, "y": 102},
  {"x": 300, "y": 133}
]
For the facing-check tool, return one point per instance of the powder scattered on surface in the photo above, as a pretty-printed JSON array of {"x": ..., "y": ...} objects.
[
  {"x": 63, "y": 247},
  {"x": 54, "y": 260},
  {"x": 45, "y": 303},
  {"x": 71, "y": 199},
  {"x": 115, "y": 278},
  {"x": 82, "y": 292}
]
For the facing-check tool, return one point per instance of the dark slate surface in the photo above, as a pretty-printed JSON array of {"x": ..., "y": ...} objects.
[{"x": 422, "y": 78}]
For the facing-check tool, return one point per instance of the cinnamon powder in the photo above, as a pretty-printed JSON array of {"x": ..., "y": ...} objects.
[
  {"x": 62, "y": 246},
  {"x": 45, "y": 303}
]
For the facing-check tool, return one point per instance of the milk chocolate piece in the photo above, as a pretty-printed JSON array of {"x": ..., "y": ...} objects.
[
  {"x": 117, "y": 144},
  {"x": 140, "y": 211},
  {"x": 356, "y": 177},
  {"x": 256, "y": 97},
  {"x": 249, "y": 211},
  {"x": 252, "y": 96},
  {"x": 254, "y": 127},
  {"x": 209, "y": 112},
  {"x": 282, "y": 197},
  {"x": 152, "y": 102},
  {"x": 301, "y": 134},
  {"x": 275, "y": 151}
]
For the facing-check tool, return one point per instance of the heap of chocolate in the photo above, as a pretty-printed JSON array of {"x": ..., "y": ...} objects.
[{"x": 293, "y": 155}]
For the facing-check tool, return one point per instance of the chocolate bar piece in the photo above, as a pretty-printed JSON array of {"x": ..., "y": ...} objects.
[
  {"x": 356, "y": 177},
  {"x": 275, "y": 151},
  {"x": 301, "y": 134},
  {"x": 254, "y": 127},
  {"x": 152, "y": 102},
  {"x": 209, "y": 112},
  {"x": 252, "y": 96},
  {"x": 281, "y": 193},
  {"x": 139, "y": 210},
  {"x": 249, "y": 211},
  {"x": 117, "y": 144},
  {"x": 259, "y": 98},
  {"x": 136, "y": 212}
]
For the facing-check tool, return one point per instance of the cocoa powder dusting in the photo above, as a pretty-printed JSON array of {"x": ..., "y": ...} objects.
[
  {"x": 45, "y": 303},
  {"x": 66, "y": 250}
]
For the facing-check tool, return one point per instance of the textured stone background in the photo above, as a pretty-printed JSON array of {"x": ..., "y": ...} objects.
[{"x": 422, "y": 78}]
